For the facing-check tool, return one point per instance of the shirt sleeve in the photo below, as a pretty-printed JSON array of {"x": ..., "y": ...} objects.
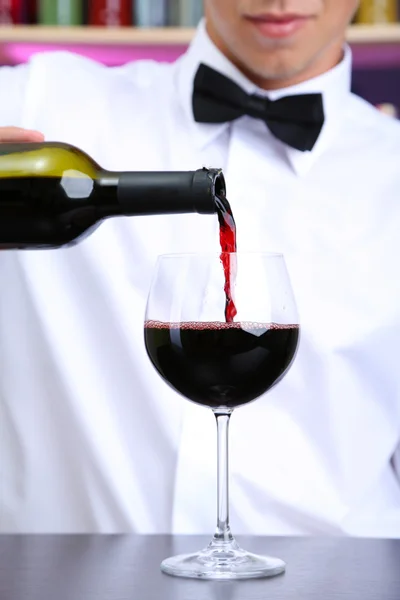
[{"x": 13, "y": 89}]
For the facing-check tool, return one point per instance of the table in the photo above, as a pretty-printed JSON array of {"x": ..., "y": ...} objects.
[{"x": 126, "y": 567}]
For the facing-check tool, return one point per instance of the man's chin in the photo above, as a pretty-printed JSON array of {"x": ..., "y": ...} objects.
[{"x": 276, "y": 73}]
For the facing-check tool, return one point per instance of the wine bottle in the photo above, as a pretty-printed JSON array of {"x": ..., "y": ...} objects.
[
  {"x": 110, "y": 13},
  {"x": 190, "y": 13},
  {"x": 53, "y": 194},
  {"x": 151, "y": 14},
  {"x": 12, "y": 12},
  {"x": 388, "y": 109},
  {"x": 60, "y": 12},
  {"x": 377, "y": 11},
  {"x": 173, "y": 8},
  {"x": 30, "y": 11}
]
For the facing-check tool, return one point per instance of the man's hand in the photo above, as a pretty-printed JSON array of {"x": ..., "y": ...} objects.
[{"x": 15, "y": 135}]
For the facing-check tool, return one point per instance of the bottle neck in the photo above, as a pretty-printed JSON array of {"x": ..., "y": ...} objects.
[
  {"x": 153, "y": 193},
  {"x": 106, "y": 194}
]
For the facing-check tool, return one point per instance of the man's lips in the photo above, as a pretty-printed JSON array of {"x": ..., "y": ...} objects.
[{"x": 278, "y": 26}]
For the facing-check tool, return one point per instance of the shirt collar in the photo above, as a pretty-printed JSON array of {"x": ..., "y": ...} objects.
[{"x": 334, "y": 85}]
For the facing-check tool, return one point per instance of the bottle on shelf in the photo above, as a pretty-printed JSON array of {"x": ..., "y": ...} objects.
[
  {"x": 377, "y": 12},
  {"x": 31, "y": 12},
  {"x": 54, "y": 195},
  {"x": 388, "y": 109},
  {"x": 172, "y": 16},
  {"x": 60, "y": 12},
  {"x": 13, "y": 12},
  {"x": 151, "y": 14},
  {"x": 110, "y": 13},
  {"x": 190, "y": 13}
]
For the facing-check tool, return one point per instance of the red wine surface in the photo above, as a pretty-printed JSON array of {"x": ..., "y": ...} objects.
[{"x": 221, "y": 364}]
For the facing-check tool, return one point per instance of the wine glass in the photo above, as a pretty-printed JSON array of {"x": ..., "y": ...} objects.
[{"x": 221, "y": 365}]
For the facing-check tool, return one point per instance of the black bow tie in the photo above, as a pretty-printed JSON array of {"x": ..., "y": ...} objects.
[{"x": 295, "y": 120}]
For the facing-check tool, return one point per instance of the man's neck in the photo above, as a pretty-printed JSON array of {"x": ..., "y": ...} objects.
[{"x": 322, "y": 63}]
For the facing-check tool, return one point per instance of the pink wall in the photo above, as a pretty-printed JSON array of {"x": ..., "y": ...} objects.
[
  {"x": 14, "y": 53},
  {"x": 365, "y": 56}
]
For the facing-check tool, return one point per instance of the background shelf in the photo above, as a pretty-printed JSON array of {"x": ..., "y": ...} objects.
[
  {"x": 376, "y": 50},
  {"x": 357, "y": 34},
  {"x": 373, "y": 46}
]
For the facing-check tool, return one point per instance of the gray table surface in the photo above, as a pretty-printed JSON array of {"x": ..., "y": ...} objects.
[{"x": 127, "y": 567}]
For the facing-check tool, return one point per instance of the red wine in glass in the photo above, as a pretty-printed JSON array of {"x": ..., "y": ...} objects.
[{"x": 221, "y": 364}]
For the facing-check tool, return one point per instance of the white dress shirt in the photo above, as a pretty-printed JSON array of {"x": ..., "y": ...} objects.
[{"x": 91, "y": 438}]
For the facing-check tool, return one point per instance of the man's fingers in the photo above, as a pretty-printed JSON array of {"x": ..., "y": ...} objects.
[{"x": 17, "y": 134}]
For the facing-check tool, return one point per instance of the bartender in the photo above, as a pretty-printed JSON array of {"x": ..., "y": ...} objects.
[{"x": 91, "y": 438}]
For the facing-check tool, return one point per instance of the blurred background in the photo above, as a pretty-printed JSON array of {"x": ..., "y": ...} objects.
[{"x": 118, "y": 31}]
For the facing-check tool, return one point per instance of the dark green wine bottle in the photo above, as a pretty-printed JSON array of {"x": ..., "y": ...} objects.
[
  {"x": 53, "y": 194},
  {"x": 60, "y": 12}
]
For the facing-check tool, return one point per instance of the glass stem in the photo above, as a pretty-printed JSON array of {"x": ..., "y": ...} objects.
[{"x": 223, "y": 533}]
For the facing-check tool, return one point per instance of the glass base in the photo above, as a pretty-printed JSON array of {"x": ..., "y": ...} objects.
[{"x": 222, "y": 560}]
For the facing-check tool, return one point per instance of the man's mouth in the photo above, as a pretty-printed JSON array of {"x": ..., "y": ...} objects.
[{"x": 278, "y": 25}]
